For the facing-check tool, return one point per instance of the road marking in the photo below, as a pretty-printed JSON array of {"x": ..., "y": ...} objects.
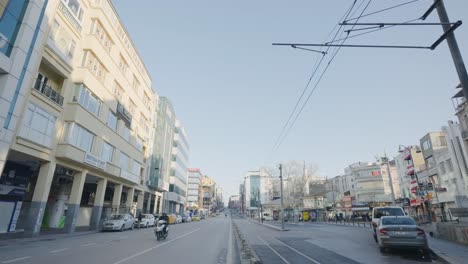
[
  {"x": 285, "y": 261},
  {"x": 298, "y": 252},
  {"x": 89, "y": 244},
  {"x": 59, "y": 250},
  {"x": 14, "y": 260},
  {"x": 151, "y": 248},
  {"x": 229, "y": 251}
]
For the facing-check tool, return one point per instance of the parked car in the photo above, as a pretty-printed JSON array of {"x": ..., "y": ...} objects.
[
  {"x": 188, "y": 218},
  {"x": 202, "y": 216},
  {"x": 119, "y": 222},
  {"x": 400, "y": 231},
  {"x": 146, "y": 221},
  {"x": 378, "y": 212},
  {"x": 172, "y": 219},
  {"x": 196, "y": 218},
  {"x": 267, "y": 217},
  {"x": 178, "y": 219}
]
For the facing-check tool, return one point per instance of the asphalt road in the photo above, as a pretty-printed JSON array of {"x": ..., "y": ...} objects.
[
  {"x": 322, "y": 244},
  {"x": 207, "y": 241}
]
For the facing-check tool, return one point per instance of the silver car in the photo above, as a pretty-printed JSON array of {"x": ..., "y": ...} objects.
[
  {"x": 119, "y": 222},
  {"x": 400, "y": 232}
]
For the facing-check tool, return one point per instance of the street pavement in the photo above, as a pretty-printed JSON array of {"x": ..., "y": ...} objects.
[
  {"x": 322, "y": 244},
  {"x": 208, "y": 241}
]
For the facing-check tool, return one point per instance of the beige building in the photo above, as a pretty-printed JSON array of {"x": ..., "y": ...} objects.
[{"x": 83, "y": 141}]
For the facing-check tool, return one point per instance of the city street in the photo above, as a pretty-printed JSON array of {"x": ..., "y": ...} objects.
[
  {"x": 321, "y": 244},
  {"x": 206, "y": 241}
]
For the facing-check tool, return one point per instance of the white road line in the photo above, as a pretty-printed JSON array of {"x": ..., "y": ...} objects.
[
  {"x": 59, "y": 250},
  {"x": 14, "y": 260},
  {"x": 151, "y": 248},
  {"x": 298, "y": 252},
  {"x": 87, "y": 245},
  {"x": 229, "y": 251},
  {"x": 285, "y": 261}
]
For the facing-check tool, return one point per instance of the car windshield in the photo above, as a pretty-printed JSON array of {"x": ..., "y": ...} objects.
[
  {"x": 116, "y": 217},
  {"x": 388, "y": 212},
  {"x": 398, "y": 221}
]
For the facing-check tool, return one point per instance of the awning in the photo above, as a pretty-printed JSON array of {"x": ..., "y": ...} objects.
[
  {"x": 408, "y": 157},
  {"x": 459, "y": 94}
]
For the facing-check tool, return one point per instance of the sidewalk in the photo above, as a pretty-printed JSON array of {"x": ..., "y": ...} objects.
[{"x": 11, "y": 239}]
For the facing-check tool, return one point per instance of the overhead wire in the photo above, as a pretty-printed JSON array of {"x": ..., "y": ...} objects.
[
  {"x": 318, "y": 81},
  {"x": 316, "y": 67},
  {"x": 383, "y": 10}
]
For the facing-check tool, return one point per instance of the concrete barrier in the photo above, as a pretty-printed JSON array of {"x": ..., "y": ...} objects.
[{"x": 451, "y": 231}]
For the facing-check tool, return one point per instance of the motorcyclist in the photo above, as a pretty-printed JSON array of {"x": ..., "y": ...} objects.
[{"x": 164, "y": 217}]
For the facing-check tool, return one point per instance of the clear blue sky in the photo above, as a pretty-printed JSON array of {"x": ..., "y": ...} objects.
[{"x": 233, "y": 90}]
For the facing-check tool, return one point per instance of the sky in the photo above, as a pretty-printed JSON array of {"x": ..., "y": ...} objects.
[{"x": 234, "y": 91}]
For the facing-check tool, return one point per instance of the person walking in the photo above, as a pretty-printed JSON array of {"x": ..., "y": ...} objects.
[{"x": 140, "y": 217}]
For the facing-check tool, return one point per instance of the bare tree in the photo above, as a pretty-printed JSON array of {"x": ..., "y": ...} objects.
[{"x": 297, "y": 177}]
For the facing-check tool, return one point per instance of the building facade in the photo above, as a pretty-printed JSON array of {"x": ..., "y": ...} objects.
[
  {"x": 208, "y": 194},
  {"x": 177, "y": 196},
  {"x": 194, "y": 187},
  {"x": 84, "y": 138},
  {"x": 367, "y": 182}
]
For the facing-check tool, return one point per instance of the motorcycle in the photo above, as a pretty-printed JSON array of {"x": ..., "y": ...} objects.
[{"x": 159, "y": 230}]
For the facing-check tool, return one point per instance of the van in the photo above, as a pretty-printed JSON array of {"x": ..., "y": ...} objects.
[
  {"x": 267, "y": 217},
  {"x": 378, "y": 212}
]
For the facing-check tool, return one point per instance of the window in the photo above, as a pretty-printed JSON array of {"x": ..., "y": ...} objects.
[
  {"x": 136, "y": 167},
  {"x": 118, "y": 91},
  {"x": 449, "y": 165},
  {"x": 112, "y": 120},
  {"x": 79, "y": 136},
  {"x": 107, "y": 152},
  {"x": 442, "y": 168},
  {"x": 38, "y": 126},
  {"x": 123, "y": 65},
  {"x": 426, "y": 144},
  {"x": 88, "y": 100},
  {"x": 11, "y": 17},
  {"x": 124, "y": 160},
  {"x": 139, "y": 144},
  {"x": 136, "y": 84},
  {"x": 75, "y": 8},
  {"x": 126, "y": 133},
  {"x": 146, "y": 101},
  {"x": 430, "y": 162},
  {"x": 102, "y": 36},
  {"x": 94, "y": 66},
  {"x": 63, "y": 40}
]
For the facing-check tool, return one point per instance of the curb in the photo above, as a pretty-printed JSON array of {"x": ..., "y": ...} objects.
[
  {"x": 247, "y": 255},
  {"x": 269, "y": 226}
]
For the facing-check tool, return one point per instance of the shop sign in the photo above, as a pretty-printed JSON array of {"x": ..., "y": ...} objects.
[{"x": 95, "y": 161}]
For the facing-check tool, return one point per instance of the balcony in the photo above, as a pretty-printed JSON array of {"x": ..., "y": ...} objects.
[
  {"x": 61, "y": 50},
  {"x": 124, "y": 114},
  {"x": 48, "y": 92},
  {"x": 70, "y": 16}
]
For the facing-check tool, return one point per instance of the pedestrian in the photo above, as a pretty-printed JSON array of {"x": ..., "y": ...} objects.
[{"x": 140, "y": 217}]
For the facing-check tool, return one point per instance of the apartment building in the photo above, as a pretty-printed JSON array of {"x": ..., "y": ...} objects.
[
  {"x": 368, "y": 182},
  {"x": 408, "y": 162},
  {"x": 176, "y": 198},
  {"x": 85, "y": 134},
  {"x": 208, "y": 193},
  {"x": 194, "y": 193}
]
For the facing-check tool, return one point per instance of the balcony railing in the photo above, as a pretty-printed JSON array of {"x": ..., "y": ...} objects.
[
  {"x": 70, "y": 17},
  {"x": 48, "y": 92},
  {"x": 124, "y": 114}
]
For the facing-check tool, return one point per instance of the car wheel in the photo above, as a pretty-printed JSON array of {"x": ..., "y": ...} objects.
[
  {"x": 122, "y": 228},
  {"x": 146, "y": 226},
  {"x": 133, "y": 226},
  {"x": 382, "y": 249}
]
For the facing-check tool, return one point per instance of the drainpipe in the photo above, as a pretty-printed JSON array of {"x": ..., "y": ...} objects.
[{"x": 25, "y": 66}]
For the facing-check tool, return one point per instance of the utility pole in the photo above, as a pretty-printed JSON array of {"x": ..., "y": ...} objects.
[
  {"x": 385, "y": 160},
  {"x": 453, "y": 47},
  {"x": 281, "y": 190}
]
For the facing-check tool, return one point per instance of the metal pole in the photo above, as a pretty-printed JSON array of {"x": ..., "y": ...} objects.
[
  {"x": 390, "y": 179},
  {"x": 453, "y": 47},
  {"x": 282, "y": 201}
]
